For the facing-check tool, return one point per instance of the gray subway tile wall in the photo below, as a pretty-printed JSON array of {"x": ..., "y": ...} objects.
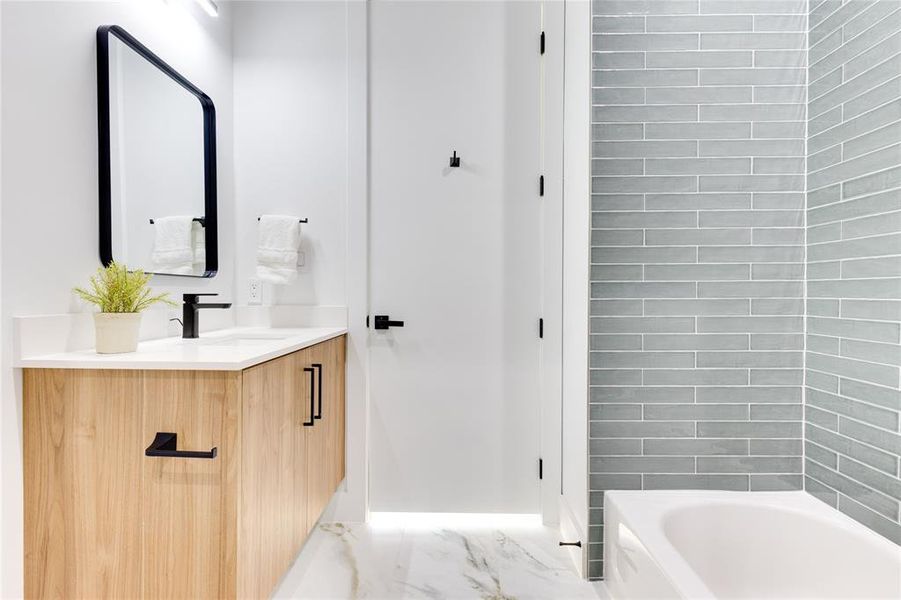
[
  {"x": 853, "y": 400},
  {"x": 697, "y": 311}
]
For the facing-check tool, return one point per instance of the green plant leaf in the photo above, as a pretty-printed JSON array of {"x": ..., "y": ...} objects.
[{"x": 116, "y": 290}]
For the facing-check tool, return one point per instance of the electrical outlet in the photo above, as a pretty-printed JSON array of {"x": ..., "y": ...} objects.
[{"x": 256, "y": 291}]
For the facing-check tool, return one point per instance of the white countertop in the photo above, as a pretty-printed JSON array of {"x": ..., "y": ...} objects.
[{"x": 224, "y": 350}]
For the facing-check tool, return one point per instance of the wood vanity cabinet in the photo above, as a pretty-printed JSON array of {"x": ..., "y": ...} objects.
[{"x": 102, "y": 520}]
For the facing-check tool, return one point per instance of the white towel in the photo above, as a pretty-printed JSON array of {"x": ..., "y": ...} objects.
[
  {"x": 198, "y": 237},
  {"x": 173, "y": 250},
  {"x": 279, "y": 240}
]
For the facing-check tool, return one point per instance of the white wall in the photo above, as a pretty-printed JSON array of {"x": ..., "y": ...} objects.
[
  {"x": 576, "y": 231},
  {"x": 291, "y": 149},
  {"x": 48, "y": 223}
]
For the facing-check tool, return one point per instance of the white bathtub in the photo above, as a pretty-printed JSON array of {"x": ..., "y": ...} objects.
[{"x": 698, "y": 544}]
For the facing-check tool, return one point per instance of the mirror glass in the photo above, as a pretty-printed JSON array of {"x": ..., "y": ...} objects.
[{"x": 158, "y": 128}]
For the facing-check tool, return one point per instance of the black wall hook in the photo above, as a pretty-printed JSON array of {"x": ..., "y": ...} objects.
[{"x": 455, "y": 160}]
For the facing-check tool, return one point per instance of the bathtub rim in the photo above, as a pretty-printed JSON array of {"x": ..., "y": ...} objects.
[{"x": 644, "y": 513}]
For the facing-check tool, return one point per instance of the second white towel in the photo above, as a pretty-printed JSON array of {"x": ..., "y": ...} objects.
[
  {"x": 279, "y": 241},
  {"x": 173, "y": 250}
]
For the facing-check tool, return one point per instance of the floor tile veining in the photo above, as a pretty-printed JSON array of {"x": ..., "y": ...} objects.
[{"x": 356, "y": 560}]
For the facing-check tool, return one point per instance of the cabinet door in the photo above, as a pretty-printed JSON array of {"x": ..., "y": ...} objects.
[
  {"x": 335, "y": 403},
  {"x": 304, "y": 388},
  {"x": 269, "y": 521},
  {"x": 188, "y": 504},
  {"x": 324, "y": 441},
  {"x": 82, "y": 461},
  {"x": 315, "y": 436}
]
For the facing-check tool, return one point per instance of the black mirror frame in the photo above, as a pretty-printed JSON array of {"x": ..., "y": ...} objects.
[{"x": 103, "y": 131}]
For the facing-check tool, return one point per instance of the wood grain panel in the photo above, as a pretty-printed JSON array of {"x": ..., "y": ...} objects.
[
  {"x": 315, "y": 458},
  {"x": 267, "y": 516},
  {"x": 231, "y": 486},
  {"x": 82, "y": 461},
  {"x": 335, "y": 441},
  {"x": 185, "y": 498},
  {"x": 342, "y": 401},
  {"x": 303, "y": 412}
]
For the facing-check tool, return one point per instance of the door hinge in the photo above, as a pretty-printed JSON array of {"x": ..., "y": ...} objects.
[
  {"x": 540, "y": 469},
  {"x": 542, "y": 42},
  {"x": 541, "y": 328},
  {"x": 541, "y": 185}
]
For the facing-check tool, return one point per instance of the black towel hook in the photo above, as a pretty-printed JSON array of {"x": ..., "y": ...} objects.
[{"x": 455, "y": 160}]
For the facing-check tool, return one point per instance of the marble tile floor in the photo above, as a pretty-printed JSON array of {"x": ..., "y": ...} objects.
[{"x": 356, "y": 560}]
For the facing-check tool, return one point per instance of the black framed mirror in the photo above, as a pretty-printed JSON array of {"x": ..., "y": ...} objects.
[{"x": 157, "y": 159}]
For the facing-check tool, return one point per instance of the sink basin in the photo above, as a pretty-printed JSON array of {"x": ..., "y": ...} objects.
[{"x": 243, "y": 340}]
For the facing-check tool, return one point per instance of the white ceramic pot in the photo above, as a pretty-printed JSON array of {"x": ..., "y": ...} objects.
[{"x": 116, "y": 332}]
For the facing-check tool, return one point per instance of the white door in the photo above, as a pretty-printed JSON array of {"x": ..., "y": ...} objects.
[{"x": 456, "y": 255}]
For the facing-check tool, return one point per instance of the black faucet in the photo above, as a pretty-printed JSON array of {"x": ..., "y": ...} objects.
[{"x": 190, "y": 322}]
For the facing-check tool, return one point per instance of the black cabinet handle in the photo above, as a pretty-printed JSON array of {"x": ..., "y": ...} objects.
[
  {"x": 318, "y": 368},
  {"x": 312, "y": 373},
  {"x": 166, "y": 444}
]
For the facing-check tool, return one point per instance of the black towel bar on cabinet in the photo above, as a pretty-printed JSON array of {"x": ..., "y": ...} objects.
[{"x": 165, "y": 444}]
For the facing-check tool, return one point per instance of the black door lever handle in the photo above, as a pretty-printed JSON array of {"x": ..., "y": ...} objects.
[{"x": 384, "y": 322}]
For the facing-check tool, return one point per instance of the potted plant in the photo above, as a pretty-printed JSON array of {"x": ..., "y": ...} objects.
[{"x": 121, "y": 296}]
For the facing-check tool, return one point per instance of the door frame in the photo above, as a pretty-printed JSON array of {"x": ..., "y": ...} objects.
[
  {"x": 551, "y": 368},
  {"x": 353, "y": 503},
  {"x": 574, "y": 498}
]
